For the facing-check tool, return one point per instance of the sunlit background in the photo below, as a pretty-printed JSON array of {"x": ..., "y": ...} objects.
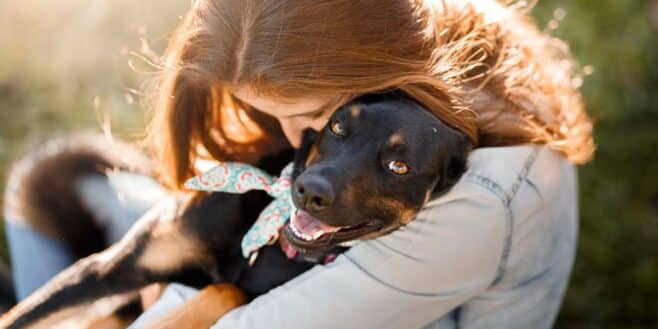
[{"x": 70, "y": 64}]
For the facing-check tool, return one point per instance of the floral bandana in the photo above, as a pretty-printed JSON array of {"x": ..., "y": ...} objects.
[{"x": 235, "y": 177}]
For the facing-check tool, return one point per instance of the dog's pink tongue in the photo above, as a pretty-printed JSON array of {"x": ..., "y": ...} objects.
[{"x": 310, "y": 226}]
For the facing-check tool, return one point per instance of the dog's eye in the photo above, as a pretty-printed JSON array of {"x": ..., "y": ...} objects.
[
  {"x": 337, "y": 128},
  {"x": 398, "y": 167}
]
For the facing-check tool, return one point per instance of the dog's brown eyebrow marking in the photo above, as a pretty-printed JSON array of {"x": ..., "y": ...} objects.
[
  {"x": 355, "y": 111},
  {"x": 395, "y": 139}
]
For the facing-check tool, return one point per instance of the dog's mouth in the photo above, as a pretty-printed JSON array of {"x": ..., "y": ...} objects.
[{"x": 307, "y": 233}]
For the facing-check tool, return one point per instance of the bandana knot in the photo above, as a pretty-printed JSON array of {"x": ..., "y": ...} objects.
[{"x": 235, "y": 177}]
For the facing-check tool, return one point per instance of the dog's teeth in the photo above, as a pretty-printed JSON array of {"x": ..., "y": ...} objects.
[
  {"x": 317, "y": 234},
  {"x": 299, "y": 234},
  {"x": 304, "y": 236}
]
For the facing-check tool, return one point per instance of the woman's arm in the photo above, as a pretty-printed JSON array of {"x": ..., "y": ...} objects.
[{"x": 407, "y": 279}]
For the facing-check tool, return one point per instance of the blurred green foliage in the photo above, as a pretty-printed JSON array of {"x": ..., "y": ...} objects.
[
  {"x": 64, "y": 64},
  {"x": 615, "y": 280}
]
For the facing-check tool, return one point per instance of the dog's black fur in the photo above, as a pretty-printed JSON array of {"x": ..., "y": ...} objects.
[
  {"x": 196, "y": 239},
  {"x": 347, "y": 181}
]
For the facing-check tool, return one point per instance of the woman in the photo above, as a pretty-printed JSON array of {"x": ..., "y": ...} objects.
[
  {"x": 242, "y": 78},
  {"x": 497, "y": 250}
]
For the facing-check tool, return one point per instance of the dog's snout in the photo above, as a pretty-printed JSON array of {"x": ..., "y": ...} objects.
[{"x": 313, "y": 192}]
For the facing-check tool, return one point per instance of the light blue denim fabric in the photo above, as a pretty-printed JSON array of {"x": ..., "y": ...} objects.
[
  {"x": 35, "y": 258},
  {"x": 495, "y": 252},
  {"x": 117, "y": 203}
]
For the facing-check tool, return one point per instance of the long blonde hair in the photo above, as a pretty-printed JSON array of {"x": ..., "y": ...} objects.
[{"x": 482, "y": 67}]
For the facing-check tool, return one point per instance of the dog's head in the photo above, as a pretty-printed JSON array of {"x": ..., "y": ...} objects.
[{"x": 370, "y": 170}]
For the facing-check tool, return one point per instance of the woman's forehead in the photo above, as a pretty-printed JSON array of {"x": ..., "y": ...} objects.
[{"x": 280, "y": 108}]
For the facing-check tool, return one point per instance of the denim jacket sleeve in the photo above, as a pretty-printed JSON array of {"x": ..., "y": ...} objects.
[{"x": 407, "y": 279}]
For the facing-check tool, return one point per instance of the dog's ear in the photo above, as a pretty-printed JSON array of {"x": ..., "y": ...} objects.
[
  {"x": 308, "y": 137},
  {"x": 455, "y": 163}
]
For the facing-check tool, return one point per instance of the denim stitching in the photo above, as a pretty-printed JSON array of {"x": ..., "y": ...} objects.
[
  {"x": 524, "y": 173},
  {"x": 442, "y": 294},
  {"x": 489, "y": 184},
  {"x": 384, "y": 245},
  {"x": 535, "y": 187},
  {"x": 506, "y": 199},
  {"x": 498, "y": 190}
]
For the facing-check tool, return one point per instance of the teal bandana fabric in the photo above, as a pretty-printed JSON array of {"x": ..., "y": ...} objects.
[{"x": 235, "y": 177}]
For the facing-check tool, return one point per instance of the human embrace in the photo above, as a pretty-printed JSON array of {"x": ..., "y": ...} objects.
[{"x": 242, "y": 80}]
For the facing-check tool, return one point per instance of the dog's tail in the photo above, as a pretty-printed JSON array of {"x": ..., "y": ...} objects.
[{"x": 43, "y": 187}]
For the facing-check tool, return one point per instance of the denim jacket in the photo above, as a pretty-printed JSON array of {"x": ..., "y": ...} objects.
[{"x": 494, "y": 252}]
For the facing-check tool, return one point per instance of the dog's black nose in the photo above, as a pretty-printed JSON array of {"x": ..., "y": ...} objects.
[{"x": 313, "y": 192}]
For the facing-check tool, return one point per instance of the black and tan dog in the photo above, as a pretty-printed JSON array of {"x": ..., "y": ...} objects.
[{"x": 380, "y": 158}]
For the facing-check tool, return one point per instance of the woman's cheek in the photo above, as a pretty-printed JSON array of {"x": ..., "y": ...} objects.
[
  {"x": 293, "y": 128},
  {"x": 319, "y": 123},
  {"x": 292, "y": 131}
]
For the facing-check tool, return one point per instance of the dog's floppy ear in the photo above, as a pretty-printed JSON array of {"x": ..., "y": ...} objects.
[
  {"x": 455, "y": 163},
  {"x": 308, "y": 137}
]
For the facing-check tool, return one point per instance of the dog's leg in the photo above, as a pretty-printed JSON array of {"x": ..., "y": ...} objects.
[
  {"x": 156, "y": 249},
  {"x": 202, "y": 310}
]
